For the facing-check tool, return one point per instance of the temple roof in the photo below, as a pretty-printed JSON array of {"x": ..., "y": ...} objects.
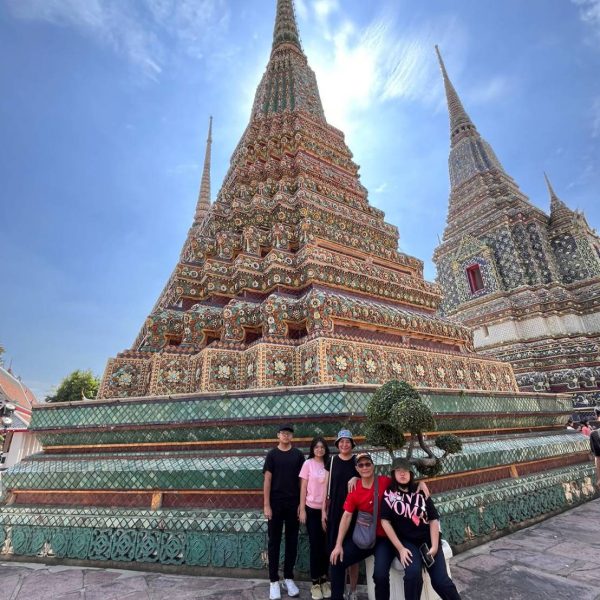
[
  {"x": 286, "y": 28},
  {"x": 470, "y": 154},
  {"x": 15, "y": 391},
  {"x": 203, "y": 205}
]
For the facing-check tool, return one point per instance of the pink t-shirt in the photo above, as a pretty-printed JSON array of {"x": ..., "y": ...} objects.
[{"x": 316, "y": 475}]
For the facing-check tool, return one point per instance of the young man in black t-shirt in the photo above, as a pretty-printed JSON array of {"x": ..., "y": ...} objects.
[{"x": 281, "y": 502}]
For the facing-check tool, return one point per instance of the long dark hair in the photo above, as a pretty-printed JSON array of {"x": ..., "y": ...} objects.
[
  {"x": 317, "y": 440},
  {"x": 395, "y": 486}
]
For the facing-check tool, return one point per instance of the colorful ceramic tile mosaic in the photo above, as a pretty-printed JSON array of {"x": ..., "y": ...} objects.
[
  {"x": 526, "y": 281},
  {"x": 290, "y": 303}
]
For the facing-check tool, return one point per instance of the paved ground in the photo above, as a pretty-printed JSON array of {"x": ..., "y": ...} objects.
[{"x": 558, "y": 559}]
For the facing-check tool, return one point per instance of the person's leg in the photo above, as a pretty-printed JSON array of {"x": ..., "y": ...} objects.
[
  {"x": 597, "y": 460},
  {"x": 352, "y": 555},
  {"x": 353, "y": 572},
  {"x": 384, "y": 555},
  {"x": 292, "y": 527},
  {"x": 316, "y": 540},
  {"x": 274, "y": 529},
  {"x": 440, "y": 580},
  {"x": 413, "y": 574}
]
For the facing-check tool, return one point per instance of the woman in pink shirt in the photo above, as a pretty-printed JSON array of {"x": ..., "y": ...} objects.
[{"x": 313, "y": 488}]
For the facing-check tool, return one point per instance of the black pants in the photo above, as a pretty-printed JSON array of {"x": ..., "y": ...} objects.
[
  {"x": 384, "y": 554},
  {"x": 283, "y": 513},
  {"x": 440, "y": 580},
  {"x": 319, "y": 558}
]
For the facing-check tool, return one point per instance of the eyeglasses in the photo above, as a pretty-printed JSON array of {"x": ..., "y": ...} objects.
[{"x": 364, "y": 465}]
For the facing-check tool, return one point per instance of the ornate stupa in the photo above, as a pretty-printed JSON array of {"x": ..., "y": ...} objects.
[
  {"x": 526, "y": 281},
  {"x": 290, "y": 303},
  {"x": 291, "y": 277}
]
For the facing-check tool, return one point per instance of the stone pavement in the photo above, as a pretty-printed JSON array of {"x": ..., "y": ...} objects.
[{"x": 558, "y": 559}]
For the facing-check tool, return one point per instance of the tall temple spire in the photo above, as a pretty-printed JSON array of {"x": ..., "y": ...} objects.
[
  {"x": 286, "y": 28},
  {"x": 560, "y": 213},
  {"x": 470, "y": 154},
  {"x": 288, "y": 84},
  {"x": 555, "y": 202},
  {"x": 459, "y": 119},
  {"x": 203, "y": 205}
]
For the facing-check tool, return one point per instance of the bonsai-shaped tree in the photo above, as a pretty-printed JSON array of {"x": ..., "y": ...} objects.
[{"x": 396, "y": 409}]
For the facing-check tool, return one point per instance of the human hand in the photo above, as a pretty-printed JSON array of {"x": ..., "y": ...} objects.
[
  {"x": 433, "y": 550},
  {"x": 405, "y": 556},
  {"x": 324, "y": 520},
  {"x": 337, "y": 553},
  {"x": 422, "y": 487},
  {"x": 352, "y": 483},
  {"x": 268, "y": 512},
  {"x": 302, "y": 515}
]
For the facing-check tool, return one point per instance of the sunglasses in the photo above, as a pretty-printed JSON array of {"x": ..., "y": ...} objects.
[{"x": 364, "y": 465}]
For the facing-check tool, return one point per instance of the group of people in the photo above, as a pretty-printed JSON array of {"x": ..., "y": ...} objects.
[
  {"x": 327, "y": 494},
  {"x": 591, "y": 429}
]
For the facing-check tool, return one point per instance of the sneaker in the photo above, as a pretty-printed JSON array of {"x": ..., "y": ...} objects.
[
  {"x": 275, "y": 591},
  {"x": 315, "y": 592},
  {"x": 326, "y": 590},
  {"x": 291, "y": 587},
  {"x": 353, "y": 595}
]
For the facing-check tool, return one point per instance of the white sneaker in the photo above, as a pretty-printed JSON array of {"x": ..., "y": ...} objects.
[
  {"x": 315, "y": 592},
  {"x": 275, "y": 591},
  {"x": 326, "y": 590},
  {"x": 291, "y": 587}
]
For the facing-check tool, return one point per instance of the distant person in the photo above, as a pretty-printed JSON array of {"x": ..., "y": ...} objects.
[
  {"x": 313, "y": 489},
  {"x": 281, "y": 491},
  {"x": 570, "y": 424},
  {"x": 585, "y": 428},
  {"x": 411, "y": 522},
  {"x": 595, "y": 450}
]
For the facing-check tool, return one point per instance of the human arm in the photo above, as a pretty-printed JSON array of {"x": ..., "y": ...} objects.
[
  {"x": 422, "y": 487},
  {"x": 338, "y": 550},
  {"x": 434, "y": 533},
  {"x": 325, "y": 501},
  {"x": 404, "y": 553},
  {"x": 302, "y": 507},
  {"x": 352, "y": 483},
  {"x": 267, "y": 495}
]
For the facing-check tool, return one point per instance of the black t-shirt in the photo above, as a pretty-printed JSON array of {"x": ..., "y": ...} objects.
[
  {"x": 284, "y": 466},
  {"x": 595, "y": 442},
  {"x": 410, "y": 514}
]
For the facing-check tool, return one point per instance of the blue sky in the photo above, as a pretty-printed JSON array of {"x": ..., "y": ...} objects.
[{"x": 105, "y": 105}]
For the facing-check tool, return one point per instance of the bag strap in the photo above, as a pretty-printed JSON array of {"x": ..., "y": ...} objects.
[
  {"x": 376, "y": 501},
  {"x": 330, "y": 477}
]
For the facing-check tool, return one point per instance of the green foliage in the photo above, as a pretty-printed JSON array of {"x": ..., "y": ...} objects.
[
  {"x": 429, "y": 470},
  {"x": 76, "y": 385},
  {"x": 385, "y": 436},
  {"x": 409, "y": 414},
  {"x": 385, "y": 398},
  {"x": 449, "y": 443}
]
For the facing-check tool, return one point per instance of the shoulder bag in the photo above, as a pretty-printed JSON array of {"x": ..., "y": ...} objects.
[{"x": 365, "y": 528}]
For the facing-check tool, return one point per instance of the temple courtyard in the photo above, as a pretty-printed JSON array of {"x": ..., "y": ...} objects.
[{"x": 558, "y": 558}]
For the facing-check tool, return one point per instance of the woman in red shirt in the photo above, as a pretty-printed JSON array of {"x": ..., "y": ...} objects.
[{"x": 346, "y": 552}]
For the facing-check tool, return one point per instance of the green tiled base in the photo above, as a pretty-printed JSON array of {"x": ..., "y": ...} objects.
[
  {"x": 237, "y": 429},
  {"x": 237, "y": 539}
]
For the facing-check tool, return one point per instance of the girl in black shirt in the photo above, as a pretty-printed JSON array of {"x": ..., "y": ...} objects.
[{"x": 411, "y": 520}]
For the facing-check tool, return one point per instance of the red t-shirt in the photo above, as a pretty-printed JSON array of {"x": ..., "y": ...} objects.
[{"x": 362, "y": 499}]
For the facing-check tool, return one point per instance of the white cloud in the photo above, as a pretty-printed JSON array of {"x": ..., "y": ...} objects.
[
  {"x": 493, "y": 90},
  {"x": 590, "y": 12},
  {"x": 381, "y": 188},
  {"x": 134, "y": 30},
  {"x": 380, "y": 62}
]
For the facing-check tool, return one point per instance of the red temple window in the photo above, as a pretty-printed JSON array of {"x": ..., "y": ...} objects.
[{"x": 475, "y": 278}]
